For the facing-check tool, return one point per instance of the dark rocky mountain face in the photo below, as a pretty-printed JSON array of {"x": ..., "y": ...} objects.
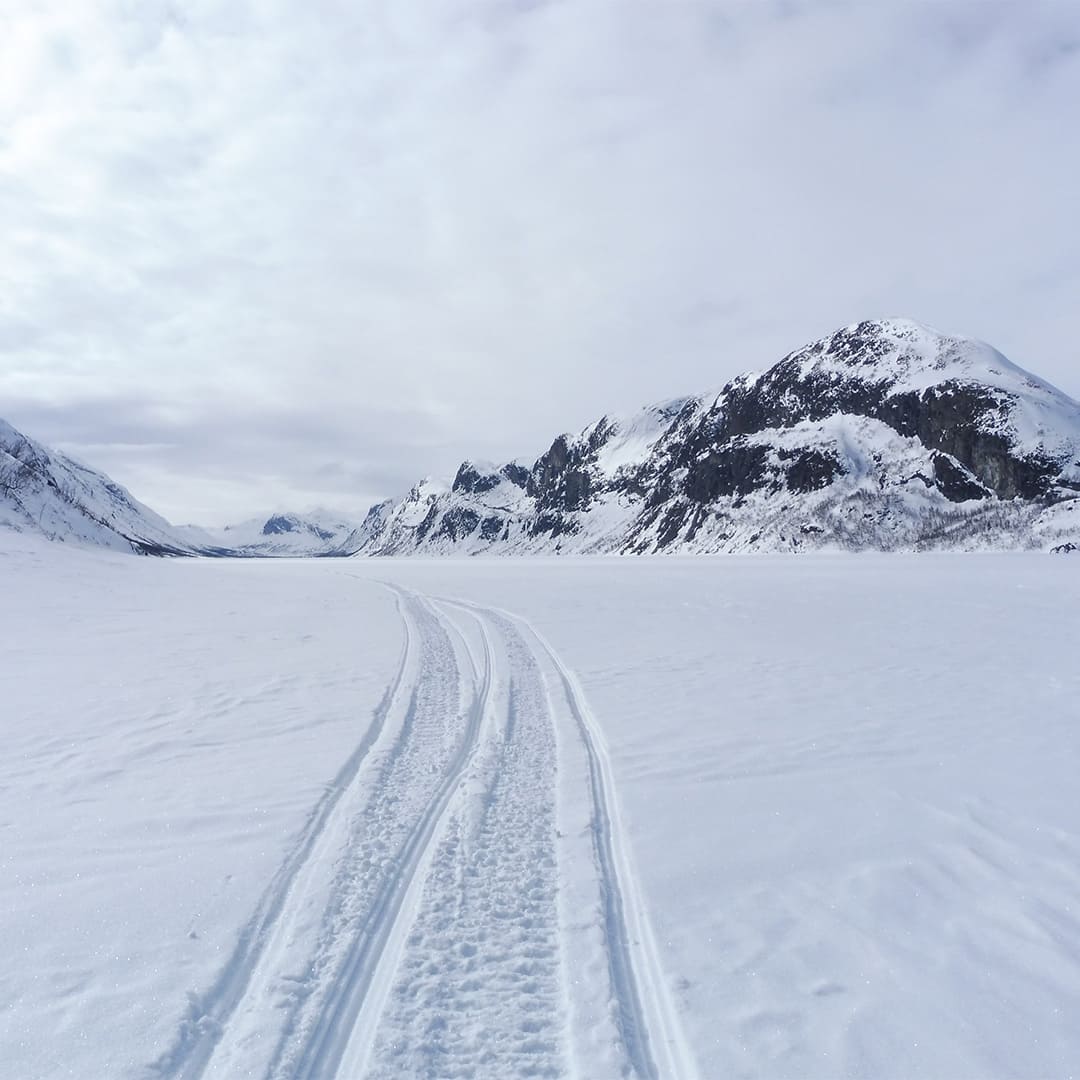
[
  {"x": 282, "y": 524},
  {"x": 956, "y": 417},
  {"x": 883, "y": 434}
]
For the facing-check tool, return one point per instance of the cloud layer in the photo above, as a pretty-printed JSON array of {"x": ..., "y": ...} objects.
[{"x": 269, "y": 254}]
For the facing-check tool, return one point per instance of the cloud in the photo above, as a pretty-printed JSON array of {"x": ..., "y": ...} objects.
[{"x": 278, "y": 253}]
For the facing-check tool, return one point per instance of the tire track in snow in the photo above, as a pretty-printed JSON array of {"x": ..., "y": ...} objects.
[
  {"x": 646, "y": 1017},
  {"x": 479, "y": 989},
  {"x": 350, "y": 998},
  {"x": 456, "y": 894},
  {"x": 210, "y": 1012}
]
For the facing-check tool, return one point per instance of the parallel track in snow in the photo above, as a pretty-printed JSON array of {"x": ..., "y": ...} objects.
[
  {"x": 210, "y": 1013},
  {"x": 646, "y": 1016},
  {"x": 480, "y": 988},
  {"x": 348, "y": 1004},
  {"x": 416, "y": 925},
  {"x": 651, "y": 1029}
]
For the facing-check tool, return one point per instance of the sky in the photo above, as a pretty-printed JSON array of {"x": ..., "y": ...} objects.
[{"x": 277, "y": 255}]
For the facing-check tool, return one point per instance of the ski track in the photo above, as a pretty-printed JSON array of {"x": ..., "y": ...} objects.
[
  {"x": 210, "y": 1012},
  {"x": 433, "y": 858},
  {"x": 480, "y": 990},
  {"x": 393, "y": 839},
  {"x": 646, "y": 1014},
  {"x": 649, "y": 1019}
]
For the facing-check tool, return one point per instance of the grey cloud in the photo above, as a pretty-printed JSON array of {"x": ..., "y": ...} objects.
[{"x": 331, "y": 248}]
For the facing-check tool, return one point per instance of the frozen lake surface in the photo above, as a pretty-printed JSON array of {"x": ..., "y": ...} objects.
[{"x": 745, "y": 816}]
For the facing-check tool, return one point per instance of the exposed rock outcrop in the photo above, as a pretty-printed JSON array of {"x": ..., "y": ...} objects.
[{"x": 882, "y": 435}]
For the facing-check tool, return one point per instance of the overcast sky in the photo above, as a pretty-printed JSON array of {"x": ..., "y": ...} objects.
[{"x": 279, "y": 254}]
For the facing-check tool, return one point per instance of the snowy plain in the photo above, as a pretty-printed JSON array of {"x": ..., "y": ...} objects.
[{"x": 757, "y": 816}]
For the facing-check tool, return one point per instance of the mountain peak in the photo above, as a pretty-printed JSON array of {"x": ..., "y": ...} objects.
[
  {"x": 876, "y": 435},
  {"x": 909, "y": 355}
]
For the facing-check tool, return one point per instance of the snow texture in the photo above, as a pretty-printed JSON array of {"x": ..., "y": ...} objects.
[{"x": 655, "y": 818}]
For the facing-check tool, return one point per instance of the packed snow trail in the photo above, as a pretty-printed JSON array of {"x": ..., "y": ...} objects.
[
  {"x": 644, "y": 1013},
  {"x": 392, "y": 840},
  {"x": 649, "y": 1019},
  {"x": 461, "y": 902},
  {"x": 245, "y": 976},
  {"x": 480, "y": 990}
]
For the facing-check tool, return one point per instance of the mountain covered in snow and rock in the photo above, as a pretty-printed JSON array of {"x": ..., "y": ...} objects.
[
  {"x": 884, "y": 435},
  {"x": 319, "y": 532},
  {"x": 47, "y": 493}
]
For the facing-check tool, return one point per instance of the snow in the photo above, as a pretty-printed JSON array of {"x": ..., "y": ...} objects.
[
  {"x": 626, "y": 485},
  {"x": 911, "y": 356},
  {"x": 283, "y": 533},
  {"x": 44, "y": 492},
  {"x": 634, "y": 437},
  {"x": 757, "y": 816}
]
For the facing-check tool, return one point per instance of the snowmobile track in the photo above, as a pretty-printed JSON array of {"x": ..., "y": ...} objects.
[
  {"x": 210, "y": 1013},
  {"x": 353, "y": 999},
  {"x": 654, "y": 1035},
  {"x": 647, "y": 1016},
  {"x": 480, "y": 989},
  {"x": 425, "y": 884}
]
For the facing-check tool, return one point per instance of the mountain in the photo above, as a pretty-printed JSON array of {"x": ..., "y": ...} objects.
[
  {"x": 47, "y": 493},
  {"x": 320, "y": 532},
  {"x": 50, "y": 494},
  {"x": 884, "y": 435}
]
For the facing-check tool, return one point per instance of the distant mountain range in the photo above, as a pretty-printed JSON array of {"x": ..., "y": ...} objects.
[
  {"x": 47, "y": 493},
  {"x": 319, "y": 532},
  {"x": 885, "y": 435}
]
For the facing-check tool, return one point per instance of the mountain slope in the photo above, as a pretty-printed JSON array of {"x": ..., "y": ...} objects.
[
  {"x": 319, "y": 532},
  {"x": 883, "y": 435},
  {"x": 50, "y": 494}
]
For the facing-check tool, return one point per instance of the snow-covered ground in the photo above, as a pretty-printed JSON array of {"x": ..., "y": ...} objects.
[{"x": 751, "y": 816}]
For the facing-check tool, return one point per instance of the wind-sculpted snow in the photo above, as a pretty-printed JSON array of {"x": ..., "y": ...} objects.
[
  {"x": 884, "y": 435},
  {"x": 598, "y": 818},
  {"x": 417, "y": 926}
]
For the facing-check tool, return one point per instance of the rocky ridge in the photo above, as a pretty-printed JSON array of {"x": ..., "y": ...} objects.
[{"x": 883, "y": 435}]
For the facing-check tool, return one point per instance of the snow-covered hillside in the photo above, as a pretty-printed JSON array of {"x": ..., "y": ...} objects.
[
  {"x": 318, "y": 532},
  {"x": 884, "y": 435},
  {"x": 46, "y": 493}
]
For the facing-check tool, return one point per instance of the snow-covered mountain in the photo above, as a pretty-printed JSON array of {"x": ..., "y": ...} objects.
[
  {"x": 319, "y": 532},
  {"x": 47, "y": 493},
  {"x": 884, "y": 435}
]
